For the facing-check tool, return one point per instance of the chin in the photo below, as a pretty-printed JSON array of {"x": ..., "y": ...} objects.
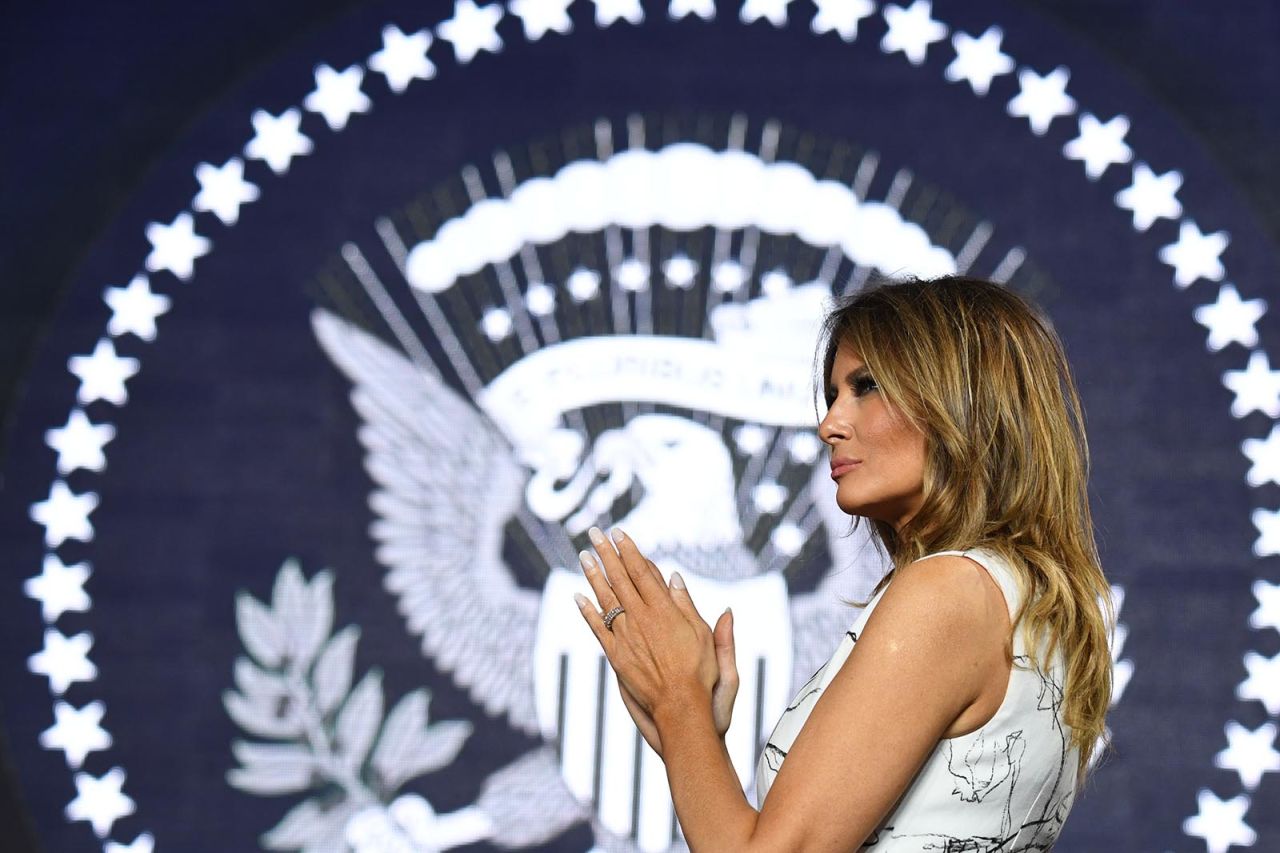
[{"x": 852, "y": 506}]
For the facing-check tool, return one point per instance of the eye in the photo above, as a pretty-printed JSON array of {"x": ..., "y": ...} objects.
[{"x": 864, "y": 385}]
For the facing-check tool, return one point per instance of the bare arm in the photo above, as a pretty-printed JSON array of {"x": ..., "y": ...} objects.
[{"x": 922, "y": 659}]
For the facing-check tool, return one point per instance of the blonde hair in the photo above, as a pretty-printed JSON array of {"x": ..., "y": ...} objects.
[{"x": 984, "y": 376}]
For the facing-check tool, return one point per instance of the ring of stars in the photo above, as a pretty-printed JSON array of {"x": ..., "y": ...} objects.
[{"x": 472, "y": 30}]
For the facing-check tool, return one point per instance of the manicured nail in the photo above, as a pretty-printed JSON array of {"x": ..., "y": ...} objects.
[
  {"x": 588, "y": 561},
  {"x": 596, "y": 536},
  {"x": 617, "y": 534},
  {"x": 582, "y": 600},
  {"x": 677, "y": 582}
]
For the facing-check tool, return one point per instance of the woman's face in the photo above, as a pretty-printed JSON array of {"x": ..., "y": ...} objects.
[{"x": 877, "y": 454}]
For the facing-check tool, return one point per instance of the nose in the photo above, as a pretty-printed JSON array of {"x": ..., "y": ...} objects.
[{"x": 832, "y": 428}]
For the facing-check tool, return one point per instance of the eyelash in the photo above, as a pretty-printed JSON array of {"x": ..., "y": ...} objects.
[{"x": 862, "y": 385}]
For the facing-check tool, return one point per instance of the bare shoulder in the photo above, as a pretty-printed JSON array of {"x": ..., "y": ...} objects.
[
  {"x": 953, "y": 590},
  {"x": 947, "y": 616}
]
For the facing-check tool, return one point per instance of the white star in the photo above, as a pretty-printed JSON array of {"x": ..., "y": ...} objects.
[
  {"x": 144, "y": 843},
  {"x": 1263, "y": 682},
  {"x": 728, "y": 276},
  {"x": 223, "y": 189},
  {"x": 1268, "y": 613},
  {"x": 1195, "y": 254},
  {"x": 1099, "y": 145},
  {"x": 775, "y": 11},
  {"x": 1249, "y": 753},
  {"x": 102, "y": 374},
  {"x": 135, "y": 309},
  {"x": 76, "y": 732},
  {"x": 751, "y": 439},
  {"x": 540, "y": 299},
  {"x": 912, "y": 30},
  {"x": 542, "y": 16},
  {"x": 1231, "y": 319},
  {"x": 841, "y": 16},
  {"x": 632, "y": 275},
  {"x": 337, "y": 95},
  {"x": 978, "y": 60},
  {"x": 704, "y": 9},
  {"x": 1220, "y": 823},
  {"x": 1268, "y": 541},
  {"x": 680, "y": 271},
  {"x": 59, "y": 588},
  {"x": 804, "y": 448},
  {"x": 472, "y": 29},
  {"x": 403, "y": 58},
  {"x": 610, "y": 11},
  {"x": 787, "y": 539},
  {"x": 1151, "y": 196},
  {"x": 1042, "y": 99},
  {"x": 100, "y": 801},
  {"x": 583, "y": 284},
  {"x": 65, "y": 515},
  {"x": 1257, "y": 387},
  {"x": 769, "y": 496},
  {"x": 64, "y": 660},
  {"x": 1264, "y": 453},
  {"x": 176, "y": 246},
  {"x": 277, "y": 140},
  {"x": 496, "y": 324},
  {"x": 79, "y": 443}
]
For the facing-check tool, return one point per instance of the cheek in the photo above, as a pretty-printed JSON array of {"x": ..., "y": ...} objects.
[{"x": 899, "y": 445}]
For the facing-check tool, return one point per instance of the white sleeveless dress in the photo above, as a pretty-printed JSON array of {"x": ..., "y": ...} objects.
[{"x": 1006, "y": 787}]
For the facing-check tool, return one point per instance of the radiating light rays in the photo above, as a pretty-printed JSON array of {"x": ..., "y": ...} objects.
[{"x": 644, "y": 279}]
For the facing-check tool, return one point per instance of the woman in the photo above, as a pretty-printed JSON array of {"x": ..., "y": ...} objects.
[{"x": 961, "y": 710}]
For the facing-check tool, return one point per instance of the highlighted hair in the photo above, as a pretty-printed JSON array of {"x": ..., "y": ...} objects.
[{"x": 982, "y": 373}]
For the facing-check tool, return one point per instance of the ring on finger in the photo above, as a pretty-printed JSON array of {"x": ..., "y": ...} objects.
[{"x": 611, "y": 615}]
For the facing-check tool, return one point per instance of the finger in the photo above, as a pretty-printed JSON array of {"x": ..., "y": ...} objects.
[
  {"x": 683, "y": 601},
  {"x": 615, "y": 571},
  {"x": 651, "y": 589},
  {"x": 655, "y": 571},
  {"x": 591, "y": 569},
  {"x": 726, "y": 654},
  {"x": 595, "y": 621}
]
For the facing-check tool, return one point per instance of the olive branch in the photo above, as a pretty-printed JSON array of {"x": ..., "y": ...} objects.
[{"x": 294, "y": 690}]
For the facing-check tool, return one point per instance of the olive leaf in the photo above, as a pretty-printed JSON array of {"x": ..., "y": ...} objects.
[
  {"x": 335, "y": 668},
  {"x": 359, "y": 720},
  {"x": 295, "y": 688}
]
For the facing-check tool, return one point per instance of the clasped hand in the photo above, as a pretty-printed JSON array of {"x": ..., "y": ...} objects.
[{"x": 664, "y": 653}]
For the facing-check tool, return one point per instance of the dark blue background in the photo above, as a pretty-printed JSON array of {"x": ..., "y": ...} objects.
[{"x": 237, "y": 448}]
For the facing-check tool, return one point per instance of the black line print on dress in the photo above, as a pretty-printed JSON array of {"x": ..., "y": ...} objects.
[
  {"x": 1034, "y": 833},
  {"x": 875, "y": 837},
  {"x": 805, "y": 693},
  {"x": 773, "y": 756}
]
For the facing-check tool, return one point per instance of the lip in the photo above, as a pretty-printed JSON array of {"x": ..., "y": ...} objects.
[{"x": 840, "y": 467}]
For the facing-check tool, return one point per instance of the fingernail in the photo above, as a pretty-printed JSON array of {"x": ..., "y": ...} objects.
[
  {"x": 617, "y": 534},
  {"x": 582, "y": 600},
  {"x": 588, "y": 561},
  {"x": 677, "y": 582},
  {"x": 729, "y": 610},
  {"x": 596, "y": 536}
]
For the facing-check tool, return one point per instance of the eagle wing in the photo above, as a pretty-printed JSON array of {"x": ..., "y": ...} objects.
[
  {"x": 819, "y": 618},
  {"x": 446, "y": 481}
]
